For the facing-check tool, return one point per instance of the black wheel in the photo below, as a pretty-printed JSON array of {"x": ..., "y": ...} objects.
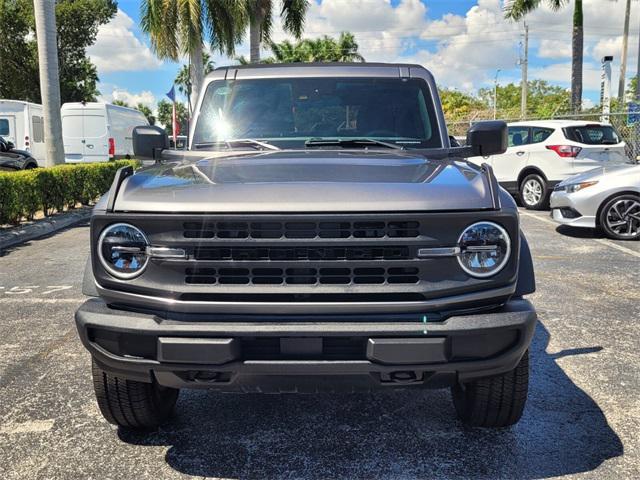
[
  {"x": 534, "y": 192},
  {"x": 494, "y": 401},
  {"x": 620, "y": 217},
  {"x": 132, "y": 404}
]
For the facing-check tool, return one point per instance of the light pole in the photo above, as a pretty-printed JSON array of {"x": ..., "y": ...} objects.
[{"x": 495, "y": 94}]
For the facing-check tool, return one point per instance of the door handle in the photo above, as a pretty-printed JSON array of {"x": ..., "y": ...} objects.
[
  {"x": 89, "y": 145},
  {"x": 520, "y": 153}
]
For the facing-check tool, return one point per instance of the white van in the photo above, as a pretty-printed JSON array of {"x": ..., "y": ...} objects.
[
  {"x": 22, "y": 123},
  {"x": 98, "y": 131}
]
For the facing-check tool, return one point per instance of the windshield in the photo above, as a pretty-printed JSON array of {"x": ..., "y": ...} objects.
[{"x": 286, "y": 112}]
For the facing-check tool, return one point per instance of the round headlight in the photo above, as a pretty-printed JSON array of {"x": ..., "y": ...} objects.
[
  {"x": 122, "y": 249},
  {"x": 484, "y": 249}
]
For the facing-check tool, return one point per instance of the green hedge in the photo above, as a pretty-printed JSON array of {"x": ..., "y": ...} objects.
[{"x": 25, "y": 192}]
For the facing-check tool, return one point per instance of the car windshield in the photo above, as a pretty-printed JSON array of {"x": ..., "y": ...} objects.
[{"x": 288, "y": 112}]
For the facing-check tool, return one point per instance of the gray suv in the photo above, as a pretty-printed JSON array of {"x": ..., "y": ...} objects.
[{"x": 320, "y": 234}]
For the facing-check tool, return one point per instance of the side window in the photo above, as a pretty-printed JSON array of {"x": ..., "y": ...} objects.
[
  {"x": 540, "y": 134},
  {"x": 518, "y": 136},
  {"x": 4, "y": 126}
]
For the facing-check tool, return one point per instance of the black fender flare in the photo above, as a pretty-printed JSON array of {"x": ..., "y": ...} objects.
[{"x": 526, "y": 277}]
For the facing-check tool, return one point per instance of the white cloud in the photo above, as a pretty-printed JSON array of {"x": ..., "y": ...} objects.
[
  {"x": 550, "y": 48},
  {"x": 145, "y": 97},
  {"x": 118, "y": 49}
]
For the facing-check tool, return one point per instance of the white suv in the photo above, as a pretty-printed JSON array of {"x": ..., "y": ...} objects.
[{"x": 543, "y": 153}]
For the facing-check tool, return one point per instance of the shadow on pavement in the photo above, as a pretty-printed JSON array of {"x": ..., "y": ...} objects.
[
  {"x": 398, "y": 434},
  {"x": 576, "y": 232}
]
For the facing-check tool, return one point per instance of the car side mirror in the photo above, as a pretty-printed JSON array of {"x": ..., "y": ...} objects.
[
  {"x": 487, "y": 138},
  {"x": 149, "y": 141}
]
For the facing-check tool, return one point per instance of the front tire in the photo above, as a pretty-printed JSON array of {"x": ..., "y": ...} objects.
[
  {"x": 131, "y": 404},
  {"x": 534, "y": 192},
  {"x": 620, "y": 217},
  {"x": 494, "y": 401}
]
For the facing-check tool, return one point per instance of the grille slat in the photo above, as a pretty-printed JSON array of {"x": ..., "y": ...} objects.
[
  {"x": 275, "y": 254},
  {"x": 301, "y": 229},
  {"x": 301, "y": 276}
]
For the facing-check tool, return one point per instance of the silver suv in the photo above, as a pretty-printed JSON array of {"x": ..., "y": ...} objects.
[{"x": 320, "y": 234}]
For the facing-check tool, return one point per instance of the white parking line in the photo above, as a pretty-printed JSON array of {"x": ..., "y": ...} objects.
[
  {"x": 601, "y": 241},
  {"x": 41, "y": 300}
]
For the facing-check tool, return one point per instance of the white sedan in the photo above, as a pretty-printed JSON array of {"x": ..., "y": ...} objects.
[{"x": 606, "y": 198}]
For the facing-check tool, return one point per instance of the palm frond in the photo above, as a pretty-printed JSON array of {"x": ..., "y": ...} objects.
[{"x": 293, "y": 15}]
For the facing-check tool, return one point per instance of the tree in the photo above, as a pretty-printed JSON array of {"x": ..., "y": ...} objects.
[
  {"x": 323, "y": 49},
  {"x": 543, "y": 99},
  {"x": 260, "y": 16},
  {"x": 183, "y": 80},
  {"x": 165, "y": 116},
  {"x": 45, "y": 19},
  {"x": 180, "y": 27},
  {"x": 517, "y": 9},
  {"x": 458, "y": 105},
  {"x": 146, "y": 111},
  {"x": 120, "y": 103},
  {"x": 77, "y": 26}
]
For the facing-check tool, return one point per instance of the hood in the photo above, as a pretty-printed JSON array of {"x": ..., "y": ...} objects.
[
  {"x": 614, "y": 170},
  {"x": 307, "y": 181}
]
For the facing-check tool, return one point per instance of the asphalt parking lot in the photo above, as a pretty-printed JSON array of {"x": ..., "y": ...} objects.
[{"x": 582, "y": 418}]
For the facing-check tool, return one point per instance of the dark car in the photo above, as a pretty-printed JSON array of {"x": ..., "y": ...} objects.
[
  {"x": 320, "y": 234},
  {"x": 12, "y": 159}
]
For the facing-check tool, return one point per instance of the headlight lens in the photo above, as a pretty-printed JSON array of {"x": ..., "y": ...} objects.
[
  {"x": 122, "y": 249},
  {"x": 484, "y": 249},
  {"x": 574, "y": 187}
]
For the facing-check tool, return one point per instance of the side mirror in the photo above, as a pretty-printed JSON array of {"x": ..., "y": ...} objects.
[
  {"x": 10, "y": 146},
  {"x": 487, "y": 138},
  {"x": 149, "y": 141}
]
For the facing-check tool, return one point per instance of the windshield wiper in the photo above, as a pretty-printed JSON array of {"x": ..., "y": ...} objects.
[
  {"x": 257, "y": 144},
  {"x": 349, "y": 143}
]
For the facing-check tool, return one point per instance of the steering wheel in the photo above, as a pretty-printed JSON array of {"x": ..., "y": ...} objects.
[{"x": 381, "y": 133}]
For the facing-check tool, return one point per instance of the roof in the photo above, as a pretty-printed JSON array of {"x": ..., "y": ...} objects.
[
  {"x": 319, "y": 64},
  {"x": 555, "y": 123}
]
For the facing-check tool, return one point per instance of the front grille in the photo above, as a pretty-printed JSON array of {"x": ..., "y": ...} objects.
[
  {"x": 302, "y": 276},
  {"x": 301, "y": 229},
  {"x": 238, "y": 254}
]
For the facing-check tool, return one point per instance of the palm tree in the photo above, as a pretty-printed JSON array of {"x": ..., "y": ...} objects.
[
  {"x": 260, "y": 18},
  {"x": 517, "y": 9},
  {"x": 180, "y": 27},
  {"x": 323, "y": 49},
  {"x": 623, "y": 60},
  {"x": 45, "y": 17},
  {"x": 183, "y": 79}
]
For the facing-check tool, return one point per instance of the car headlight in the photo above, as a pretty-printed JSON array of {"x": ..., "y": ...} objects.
[
  {"x": 575, "y": 187},
  {"x": 484, "y": 249},
  {"x": 122, "y": 250}
]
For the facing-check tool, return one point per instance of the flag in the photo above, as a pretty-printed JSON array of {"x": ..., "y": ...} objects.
[
  {"x": 172, "y": 93},
  {"x": 174, "y": 120}
]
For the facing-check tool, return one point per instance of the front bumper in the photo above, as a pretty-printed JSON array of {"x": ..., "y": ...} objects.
[
  {"x": 573, "y": 209},
  {"x": 305, "y": 353}
]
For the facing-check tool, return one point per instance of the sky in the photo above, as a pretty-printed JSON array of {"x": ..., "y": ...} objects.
[{"x": 462, "y": 42}]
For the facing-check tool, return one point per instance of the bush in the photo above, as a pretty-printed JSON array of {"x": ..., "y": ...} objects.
[{"x": 26, "y": 192}]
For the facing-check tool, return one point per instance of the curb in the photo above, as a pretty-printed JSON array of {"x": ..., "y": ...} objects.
[{"x": 40, "y": 228}]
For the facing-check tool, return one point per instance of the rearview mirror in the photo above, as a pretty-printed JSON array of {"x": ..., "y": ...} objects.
[
  {"x": 487, "y": 138},
  {"x": 149, "y": 141}
]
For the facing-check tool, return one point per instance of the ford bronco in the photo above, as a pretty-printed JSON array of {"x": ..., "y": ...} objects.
[{"x": 321, "y": 233}]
